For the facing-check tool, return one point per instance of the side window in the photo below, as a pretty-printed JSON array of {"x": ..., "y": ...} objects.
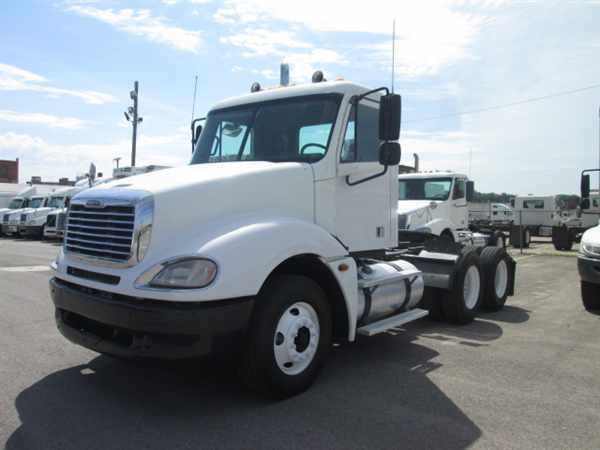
[
  {"x": 459, "y": 189},
  {"x": 533, "y": 204},
  {"x": 312, "y": 139},
  {"x": 228, "y": 140},
  {"x": 362, "y": 144}
]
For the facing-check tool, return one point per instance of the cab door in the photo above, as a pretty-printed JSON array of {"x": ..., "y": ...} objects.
[
  {"x": 459, "y": 213},
  {"x": 365, "y": 218}
]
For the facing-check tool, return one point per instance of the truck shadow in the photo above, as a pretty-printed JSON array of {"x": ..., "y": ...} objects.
[{"x": 373, "y": 394}]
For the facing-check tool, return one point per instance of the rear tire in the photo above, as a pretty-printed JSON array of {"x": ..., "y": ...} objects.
[
  {"x": 497, "y": 277},
  {"x": 590, "y": 295},
  {"x": 289, "y": 337},
  {"x": 460, "y": 305}
]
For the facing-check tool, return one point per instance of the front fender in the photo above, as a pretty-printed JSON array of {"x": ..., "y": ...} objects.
[{"x": 246, "y": 250}]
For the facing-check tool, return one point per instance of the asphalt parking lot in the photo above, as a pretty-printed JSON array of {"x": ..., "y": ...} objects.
[{"x": 525, "y": 377}]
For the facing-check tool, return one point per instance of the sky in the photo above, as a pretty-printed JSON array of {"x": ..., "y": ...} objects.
[{"x": 67, "y": 66}]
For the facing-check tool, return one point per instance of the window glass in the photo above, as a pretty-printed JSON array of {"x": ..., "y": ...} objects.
[
  {"x": 269, "y": 131},
  {"x": 367, "y": 134},
  {"x": 533, "y": 204},
  {"x": 312, "y": 139},
  {"x": 459, "y": 189},
  {"x": 424, "y": 188}
]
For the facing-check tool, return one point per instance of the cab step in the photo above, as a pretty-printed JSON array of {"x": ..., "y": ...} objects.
[{"x": 388, "y": 323}]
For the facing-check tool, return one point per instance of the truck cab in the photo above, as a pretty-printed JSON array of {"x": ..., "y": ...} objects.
[
  {"x": 12, "y": 221},
  {"x": 588, "y": 259},
  {"x": 15, "y": 204},
  {"x": 279, "y": 238},
  {"x": 433, "y": 202},
  {"x": 33, "y": 220}
]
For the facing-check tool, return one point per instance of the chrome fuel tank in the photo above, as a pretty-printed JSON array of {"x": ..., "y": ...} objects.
[{"x": 386, "y": 288}]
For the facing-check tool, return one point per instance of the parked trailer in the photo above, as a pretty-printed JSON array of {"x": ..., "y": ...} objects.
[
  {"x": 534, "y": 215},
  {"x": 292, "y": 243}
]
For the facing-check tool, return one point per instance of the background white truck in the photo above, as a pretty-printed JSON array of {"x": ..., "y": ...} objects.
[
  {"x": 488, "y": 214},
  {"x": 588, "y": 260},
  {"x": 279, "y": 238},
  {"x": 534, "y": 215},
  {"x": 436, "y": 203}
]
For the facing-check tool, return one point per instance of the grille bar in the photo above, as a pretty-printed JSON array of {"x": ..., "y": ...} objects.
[{"x": 106, "y": 232}]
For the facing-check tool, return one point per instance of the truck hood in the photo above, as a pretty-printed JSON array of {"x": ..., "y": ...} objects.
[
  {"x": 592, "y": 236},
  {"x": 38, "y": 211},
  {"x": 198, "y": 200},
  {"x": 409, "y": 206}
]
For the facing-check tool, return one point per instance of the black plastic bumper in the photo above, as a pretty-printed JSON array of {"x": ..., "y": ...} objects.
[
  {"x": 589, "y": 269},
  {"x": 31, "y": 230},
  {"x": 133, "y": 327}
]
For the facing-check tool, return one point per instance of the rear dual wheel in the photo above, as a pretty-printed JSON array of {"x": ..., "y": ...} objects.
[
  {"x": 497, "y": 275},
  {"x": 460, "y": 304}
]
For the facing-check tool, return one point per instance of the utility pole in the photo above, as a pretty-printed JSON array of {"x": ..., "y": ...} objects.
[{"x": 132, "y": 116}]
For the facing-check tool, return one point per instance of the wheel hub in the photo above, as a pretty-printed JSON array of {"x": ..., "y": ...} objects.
[
  {"x": 296, "y": 338},
  {"x": 471, "y": 287},
  {"x": 501, "y": 279}
]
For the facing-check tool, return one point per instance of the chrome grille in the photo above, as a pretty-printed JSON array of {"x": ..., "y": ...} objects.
[
  {"x": 105, "y": 232},
  {"x": 60, "y": 221},
  {"x": 402, "y": 221},
  {"x": 51, "y": 220}
]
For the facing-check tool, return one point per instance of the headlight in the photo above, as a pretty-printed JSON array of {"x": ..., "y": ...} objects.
[
  {"x": 186, "y": 273},
  {"x": 590, "y": 249},
  {"x": 143, "y": 241}
]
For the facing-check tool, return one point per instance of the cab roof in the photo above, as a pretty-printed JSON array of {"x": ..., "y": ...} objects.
[
  {"x": 434, "y": 174},
  {"x": 298, "y": 90}
]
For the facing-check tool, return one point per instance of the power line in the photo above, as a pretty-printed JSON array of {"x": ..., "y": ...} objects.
[{"x": 507, "y": 105}]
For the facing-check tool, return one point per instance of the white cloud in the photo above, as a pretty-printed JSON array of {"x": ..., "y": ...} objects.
[
  {"x": 71, "y": 123},
  {"x": 430, "y": 35},
  {"x": 143, "y": 23},
  {"x": 16, "y": 79},
  {"x": 52, "y": 161},
  {"x": 264, "y": 42},
  {"x": 285, "y": 45}
]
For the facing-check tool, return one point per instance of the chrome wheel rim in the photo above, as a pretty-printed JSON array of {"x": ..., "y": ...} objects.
[
  {"x": 501, "y": 279},
  {"x": 500, "y": 242},
  {"x": 296, "y": 338},
  {"x": 471, "y": 287}
]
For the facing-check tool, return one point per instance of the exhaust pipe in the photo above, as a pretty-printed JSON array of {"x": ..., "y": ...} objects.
[{"x": 416, "y": 162}]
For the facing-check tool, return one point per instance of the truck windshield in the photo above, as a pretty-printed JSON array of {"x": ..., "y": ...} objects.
[
  {"x": 15, "y": 203},
  {"x": 56, "y": 202},
  {"x": 291, "y": 129},
  {"x": 424, "y": 188},
  {"x": 36, "y": 202}
]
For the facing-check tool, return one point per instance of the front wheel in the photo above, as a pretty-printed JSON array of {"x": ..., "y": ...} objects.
[
  {"x": 290, "y": 337},
  {"x": 590, "y": 295}
]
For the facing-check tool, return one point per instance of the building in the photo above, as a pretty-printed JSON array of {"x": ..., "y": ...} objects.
[{"x": 9, "y": 171}]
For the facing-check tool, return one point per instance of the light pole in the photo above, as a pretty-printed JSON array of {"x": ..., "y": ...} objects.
[
  {"x": 132, "y": 116},
  {"x": 116, "y": 161}
]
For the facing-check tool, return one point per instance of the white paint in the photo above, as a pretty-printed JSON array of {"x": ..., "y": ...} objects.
[{"x": 25, "y": 269}]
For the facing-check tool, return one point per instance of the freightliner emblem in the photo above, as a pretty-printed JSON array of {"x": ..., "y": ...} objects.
[{"x": 94, "y": 204}]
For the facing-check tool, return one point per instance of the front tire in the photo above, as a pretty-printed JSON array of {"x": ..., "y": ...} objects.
[
  {"x": 460, "y": 305},
  {"x": 290, "y": 337},
  {"x": 590, "y": 295}
]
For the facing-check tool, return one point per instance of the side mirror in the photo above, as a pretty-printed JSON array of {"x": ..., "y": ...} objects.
[
  {"x": 390, "y": 112},
  {"x": 196, "y": 130},
  {"x": 470, "y": 190},
  {"x": 585, "y": 186},
  {"x": 389, "y": 154},
  {"x": 585, "y": 203}
]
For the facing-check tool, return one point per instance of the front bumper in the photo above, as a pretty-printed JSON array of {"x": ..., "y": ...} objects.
[
  {"x": 589, "y": 269},
  {"x": 134, "y": 327},
  {"x": 10, "y": 228},
  {"x": 30, "y": 230}
]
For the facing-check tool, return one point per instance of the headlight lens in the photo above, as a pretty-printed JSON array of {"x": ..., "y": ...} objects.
[
  {"x": 590, "y": 249},
  {"x": 143, "y": 241},
  {"x": 187, "y": 273}
]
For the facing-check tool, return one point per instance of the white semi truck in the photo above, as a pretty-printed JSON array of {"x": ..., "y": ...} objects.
[
  {"x": 534, "y": 215},
  {"x": 588, "y": 260},
  {"x": 16, "y": 203},
  {"x": 279, "y": 238},
  {"x": 436, "y": 204}
]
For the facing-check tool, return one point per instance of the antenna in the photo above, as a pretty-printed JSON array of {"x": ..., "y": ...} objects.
[
  {"x": 194, "y": 101},
  {"x": 393, "y": 51}
]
